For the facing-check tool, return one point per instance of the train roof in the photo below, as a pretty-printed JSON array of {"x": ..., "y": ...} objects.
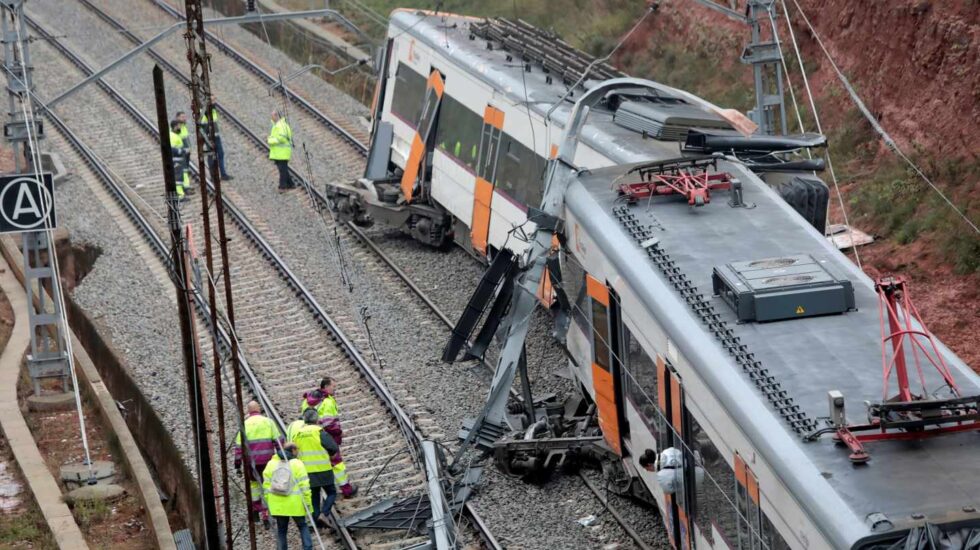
[
  {"x": 808, "y": 356},
  {"x": 450, "y": 35}
]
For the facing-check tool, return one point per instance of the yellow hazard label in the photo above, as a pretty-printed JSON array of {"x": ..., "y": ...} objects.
[{"x": 799, "y": 310}]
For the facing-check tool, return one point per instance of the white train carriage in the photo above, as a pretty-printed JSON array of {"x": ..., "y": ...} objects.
[
  {"x": 467, "y": 129},
  {"x": 661, "y": 339}
]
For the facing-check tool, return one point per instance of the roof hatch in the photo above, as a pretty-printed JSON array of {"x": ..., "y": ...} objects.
[
  {"x": 666, "y": 118},
  {"x": 790, "y": 287}
]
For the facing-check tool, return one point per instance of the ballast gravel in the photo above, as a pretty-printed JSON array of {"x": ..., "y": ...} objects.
[{"x": 408, "y": 338}]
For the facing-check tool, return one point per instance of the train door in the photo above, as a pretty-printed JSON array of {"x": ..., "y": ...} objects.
[
  {"x": 604, "y": 371},
  {"x": 486, "y": 167},
  {"x": 670, "y": 398},
  {"x": 415, "y": 166}
]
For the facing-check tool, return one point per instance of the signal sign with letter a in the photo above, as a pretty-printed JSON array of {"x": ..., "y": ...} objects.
[{"x": 26, "y": 203}]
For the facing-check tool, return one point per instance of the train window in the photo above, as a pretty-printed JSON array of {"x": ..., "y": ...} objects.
[
  {"x": 458, "y": 131},
  {"x": 573, "y": 281},
  {"x": 508, "y": 168},
  {"x": 520, "y": 172},
  {"x": 408, "y": 95},
  {"x": 715, "y": 495},
  {"x": 771, "y": 539},
  {"x": 641, "y": 384},
  {"x": 600, "y": 334}
]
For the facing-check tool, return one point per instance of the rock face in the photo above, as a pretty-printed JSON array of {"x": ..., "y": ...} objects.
[{"x": 916, "y": 64}]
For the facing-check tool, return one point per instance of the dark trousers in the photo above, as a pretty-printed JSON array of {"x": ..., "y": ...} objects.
[
  {"x": 220, "y": 150},
  {"x": 284, "y": 180},
  {"x": 282, "y": 528},
  {"x": 325, "y": 506}
]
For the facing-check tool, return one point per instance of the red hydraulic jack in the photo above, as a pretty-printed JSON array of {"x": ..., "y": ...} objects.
[{"x": 908, "y": 416}]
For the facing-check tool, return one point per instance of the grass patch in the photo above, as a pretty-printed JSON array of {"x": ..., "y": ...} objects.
[
  {"x": 27, "y": 530},
  {"x": 89, "y": 513}
]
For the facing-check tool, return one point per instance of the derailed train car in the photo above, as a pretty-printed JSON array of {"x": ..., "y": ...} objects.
[{"x": 717, "y": 331}]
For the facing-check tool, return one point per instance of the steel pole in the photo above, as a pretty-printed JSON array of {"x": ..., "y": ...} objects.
[
  {"x": 200, "y": 86},
  {"x": 208, "y": 520}
]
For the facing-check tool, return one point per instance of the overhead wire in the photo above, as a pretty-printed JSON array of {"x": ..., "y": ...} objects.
[
  {"x": 816, "y": 119},
  {"x": 527, "y": 103},
  {"x": 33, "y": 143},
  {"x": 782, "y": 60},
  {"x": 603, "y": 59},
  {"x": 871, "y": 119}
]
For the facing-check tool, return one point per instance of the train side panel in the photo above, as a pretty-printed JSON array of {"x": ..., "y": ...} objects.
[{"x": 721, "y": 446}]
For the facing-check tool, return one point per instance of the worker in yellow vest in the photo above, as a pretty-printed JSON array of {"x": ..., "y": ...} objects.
[
  {"x": 315, "y": 447},
  {"x": 185, "y": 135},
  {"x": 323, "y": 400},
  {"x": 286, "y": 485},
  {"x": 262, "y": 437},
  {"x": 280, "y": 142},
  {"x": 181, "y": 160},
  {"x": 219, "y": 148}
]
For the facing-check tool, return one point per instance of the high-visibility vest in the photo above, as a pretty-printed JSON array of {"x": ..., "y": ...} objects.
[
  {"x": 299, "y": 499},
  {"x": 326, "y": 410},
  {"x": 293, "y": 428},
  {"x": 311, "y": 452},
  {"x": 180, "y": 154},
  {"x": 184, "y": 132},
  {"x": 214, "y": 118},
  {"x": 280, "y": 141},
  {"x": 262, "y": 434}
]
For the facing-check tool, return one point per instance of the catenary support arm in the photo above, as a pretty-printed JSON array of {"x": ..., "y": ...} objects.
[{"x": 548, "y": 220}]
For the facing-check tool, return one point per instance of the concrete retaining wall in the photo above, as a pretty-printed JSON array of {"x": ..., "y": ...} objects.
[{"x": 145, "y": 427}]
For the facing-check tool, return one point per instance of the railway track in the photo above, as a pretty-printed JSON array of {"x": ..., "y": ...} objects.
[
  {"x": 331, "y": 139},
  {"x": 274, "y": 310},
  {"x": 350, "y": 136}
]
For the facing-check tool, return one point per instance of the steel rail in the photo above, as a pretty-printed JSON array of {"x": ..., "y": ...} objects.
[
  {"x": 253, "y": 67},
  {"x": 406, "y": 424},
  {"x": 484, "y": 531},
  {"x": 241, "y": 219}
]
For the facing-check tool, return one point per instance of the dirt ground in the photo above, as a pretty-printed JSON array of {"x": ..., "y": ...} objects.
[
  {"x": 111, "y": 525},
  {"x": 21, "y": 522}
]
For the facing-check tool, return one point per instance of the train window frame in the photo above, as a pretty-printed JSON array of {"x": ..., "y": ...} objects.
[
  {"x": 573, "y": 281},
  {"x": 519, "y": 171},
  {"x": 705, "y": 448},
  {"x": 600, "y": 342},
  {"x": 771, "y": 538},
  {"x": 456, "y": 120},
  {"x": 408, "y": 84},
  {"x": 655, "y": 421}
]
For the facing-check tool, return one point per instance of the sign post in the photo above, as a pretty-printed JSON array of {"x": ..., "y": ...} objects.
[{"x": 27, "y": 206}]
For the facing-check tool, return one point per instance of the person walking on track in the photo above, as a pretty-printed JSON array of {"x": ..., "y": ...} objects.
[
  {"x": 219, "y": 148},
  {"x": 315, "y": 447},
  {"x": 181, "y": 160},
  {"x": 323, "y": 400},
  {"x": 262, "y": 436},
  {"x": 280, "y": 142},
  {"x": 286, "y": 485}
]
